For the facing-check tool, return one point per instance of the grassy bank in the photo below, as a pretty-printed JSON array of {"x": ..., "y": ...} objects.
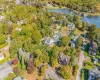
[{"x": 53, "y": 7}]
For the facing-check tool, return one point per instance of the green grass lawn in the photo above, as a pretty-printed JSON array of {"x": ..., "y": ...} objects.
[
  {"x": 78, "y": 32},
  {"x": 40, "y": 46},
  {"x": 4, "y": 60},
  {"x": 89, "y": 65},
  {"x": 3, "y": 45}
]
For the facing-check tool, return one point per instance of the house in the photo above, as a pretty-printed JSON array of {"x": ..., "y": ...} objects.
[
  {"x": 92, "y": 48},
  {"x": 73, "y": 41},
  {"x": 75, "y": 37},
  {"x": 95, "y": 60},
  {"x": 72, "y": 44},
  {"x": 21, "y": 53},
  {"x": 94, "y": 74},
  {"x": 71, "y": 26},
  {"x": 63, "y": 59},
  {"x": 21, "y": 22},
  {"x": 19, "y": 29},
  {"x": 48, "y": 41},
  {"x": 18, "y": 2},
  {"x": 57, "y": 36},
  {"x": 55, "y": 26},
  {"x": 1, "y": 56},
  {"x": 1, "y": 17},
  {"x": 19, "y": 78},
  {"x": 5, "y": 70},
  {"x": 63, "y": 31}
]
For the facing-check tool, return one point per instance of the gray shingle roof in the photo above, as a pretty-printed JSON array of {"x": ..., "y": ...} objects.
[
  {"x": 5, "y": 70},
  {"x": 24, "y": 54}
]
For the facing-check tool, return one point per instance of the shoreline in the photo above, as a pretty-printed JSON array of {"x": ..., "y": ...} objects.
[{"x": 89, "y": 14}]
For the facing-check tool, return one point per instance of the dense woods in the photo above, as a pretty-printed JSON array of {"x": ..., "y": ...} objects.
[{"x": 30, "y": 25}]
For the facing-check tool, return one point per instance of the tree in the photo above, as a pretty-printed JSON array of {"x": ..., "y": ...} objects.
[
  {"x": 38, "y": 53},
  {"x": 36, "y": 36},
  {"x": 92, "y": 32},
  {"x": 4, "y": 28},
  {"x": 30, "y": 67},
  {"x": 75, "y": 68},
  {"x": 43, "y": 69},
  {"x": 65, "y": 22},
  {"x": 16, "y": 70},
  {"x": 85, "y": 26},
  {"x": 2, "y": 39},
  {"x": 64, "y": 73},
  {"x": 79, "y": 42},
  {"x": 37, "y": 62},
  {"x": 79, "y": 23},
  {"x": 23, "y": 66},
  {"x": 82, "y": 74},
  {"x": 65, "y": 41},
  {"x": 54, "y": 62}
]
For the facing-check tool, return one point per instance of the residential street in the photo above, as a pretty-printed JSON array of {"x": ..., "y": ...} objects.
[{"x": 81, "y": 59}]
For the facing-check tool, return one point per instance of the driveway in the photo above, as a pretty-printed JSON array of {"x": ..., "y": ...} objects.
[{"x": 50, "y": 73}]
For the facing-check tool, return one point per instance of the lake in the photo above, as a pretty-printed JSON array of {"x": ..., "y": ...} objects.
[{"x": 90, "y": 19}]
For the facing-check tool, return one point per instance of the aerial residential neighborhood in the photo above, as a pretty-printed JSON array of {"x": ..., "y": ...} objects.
[{"x": 49, "y": 39}]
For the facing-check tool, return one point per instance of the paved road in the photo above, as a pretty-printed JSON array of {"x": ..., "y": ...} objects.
[{"x": 81, "y": 59}]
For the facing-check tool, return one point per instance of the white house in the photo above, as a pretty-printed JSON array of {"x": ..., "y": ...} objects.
[
  {"x": 1, "y": 56},
  {"x": 21, "y": 53},
  {"x": 75, "y": 37},
  {"x": 56, "y": 36},
  {"x": 17, "y": 1},
  {"x": 72, "y": 44},
  {"x": 92, "y": 48},
  {"x": 21, "y": 22},
  {"x": 48, "y": 41},
  {"x": 95, "y": 60},
  {"x": 71, "y": 26},
  {"x": 19, "y": 29},
  {"x": 1, "y": 17}
]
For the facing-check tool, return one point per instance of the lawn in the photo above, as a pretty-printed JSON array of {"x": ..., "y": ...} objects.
[
  {"x": 3, "y": 45},
  {"x": 40, "y": 46},
  {"x": 89, "y": 65},
  {"x": 32, "y": 76},
  {"x": 4, "y": 60},
  {"x": 78, "y": 32}
]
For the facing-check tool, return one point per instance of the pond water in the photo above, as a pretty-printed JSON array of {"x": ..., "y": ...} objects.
[{"x": 90, "y": 19}]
